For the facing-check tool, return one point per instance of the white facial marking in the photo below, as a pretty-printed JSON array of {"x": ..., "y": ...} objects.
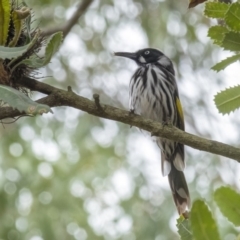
[
  {"x": 164, "y": 61},
  {"x": 142, "y": 59}
]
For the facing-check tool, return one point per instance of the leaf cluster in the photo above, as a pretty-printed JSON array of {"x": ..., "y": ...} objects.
[
  {"x": 19, "y": 48},
  {"x": 21, "y": 102},
  {"x": 201, "y": 224},
  {"x": 227, "y": 36}
]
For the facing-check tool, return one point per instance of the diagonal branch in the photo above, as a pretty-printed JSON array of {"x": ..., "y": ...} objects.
[
  {"x": 58, "y": 97},
  {"x": 65, "y": 28}
]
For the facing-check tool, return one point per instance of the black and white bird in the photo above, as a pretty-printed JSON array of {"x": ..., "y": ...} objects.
[{"x": 154, "y": 95}]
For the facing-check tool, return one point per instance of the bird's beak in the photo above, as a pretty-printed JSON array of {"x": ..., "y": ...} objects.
[{"x": 132, "y": 56}]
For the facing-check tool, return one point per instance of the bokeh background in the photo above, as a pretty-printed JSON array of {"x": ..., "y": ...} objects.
[{"x": 70, "y": 175}]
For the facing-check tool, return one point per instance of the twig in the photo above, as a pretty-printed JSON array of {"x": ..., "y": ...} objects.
[
  {"x": 15, "y": 119},
  {"x": 60, "y": 97},
  {"x": 69, "y": 89},
  {"x": 65, "y": 28},
  {"x": 97, "y": 101}
]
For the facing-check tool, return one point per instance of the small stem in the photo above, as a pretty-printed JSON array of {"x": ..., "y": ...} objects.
[{"x": 97, "y": 101}]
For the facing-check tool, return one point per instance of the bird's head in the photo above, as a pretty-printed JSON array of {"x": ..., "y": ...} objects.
[{"x": 147, "y": 56}]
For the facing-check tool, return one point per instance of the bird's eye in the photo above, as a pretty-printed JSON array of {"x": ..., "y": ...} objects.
[{"x": 147, "y": 52}]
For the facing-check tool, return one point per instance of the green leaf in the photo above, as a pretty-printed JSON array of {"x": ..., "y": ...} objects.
[
  {"x": 17, "y": 22},
  {"x": 21, "y": 102},
  {"x": 223, "y": 64},
  {"x": 17, "y": 17},
  {"x": 184, "y": 228},
  {"x": 217, "y": 33},
  {"x": 52, "y": 46},
  {"x": 232, "y": 17},
  {"x": 215, "y": 9},
  {"x": 231, "y": 41},
  {"x": 51, "y": 49},
  {"x": 12, "y": 52},
  {"x": 15, "y": 52},
  {"x": 12, "y": 64},
  {"x": 34, "y": 62},
  {"x": 228, "y": 201},
  {"x": 202, "y": 223},
  {"x": 5, "y": 9},
  {"x": 228, "y": 100}
]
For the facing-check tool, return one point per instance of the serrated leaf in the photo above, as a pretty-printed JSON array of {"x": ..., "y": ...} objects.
[
  {"x": 226, "y": 62},
  {"x": 21, "y": 102},
  {"x": 51, "y": 49},
  {"x": 194, "y": 3},
  {"x": 17, "y": 22},
  {"x": 5, "y": 9},
  {"x": 18, "y": 15},
  {"x": 231, "y": 41},
  {"x": 228, "y": 201},
  {"x": 215, "y": 9},
  {"x": 217, "y": 34},
  {"x": 232, "y": 17},
  {"x": 12, "y": 64},
  {"x": 34, "y": 62},
  {"x": 12, "y": 52},
  {"x": 202, "y": 223},
  {"x": 53, "y": 46},
  {"x": 228, "y": 100},
  {"x": 184, "y": 228}
]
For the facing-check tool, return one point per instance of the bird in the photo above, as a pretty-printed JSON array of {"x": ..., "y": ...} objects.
[{"x": 153, "y": 94}]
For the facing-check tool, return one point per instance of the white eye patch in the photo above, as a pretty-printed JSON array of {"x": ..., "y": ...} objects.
[
  {"x": 142, "y": 59},
  {"x": 163, "y": 60},
  {"x": 147, "y": 52}
]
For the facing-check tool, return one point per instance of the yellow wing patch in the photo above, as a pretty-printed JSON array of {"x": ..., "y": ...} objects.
[{"x": 179, "y": 108}]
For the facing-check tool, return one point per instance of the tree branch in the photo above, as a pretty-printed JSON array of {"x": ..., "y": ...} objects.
[
  {"x": 58, "y": 97},
  {"x": 65, "y": 28}
]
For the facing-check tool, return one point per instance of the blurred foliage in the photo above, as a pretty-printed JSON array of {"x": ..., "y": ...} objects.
[
  {"x": 228, "y": 100},
  {"x": 20, "y": 45},
  {"x": 226, "y": 36},
  {"x": 74, "y": 176},
  {"x": 184, "y": 228},
  {"x": 21, "y": 102},
  {"x": 201, "y": 223},
  {"x": 228, "y": 202}
]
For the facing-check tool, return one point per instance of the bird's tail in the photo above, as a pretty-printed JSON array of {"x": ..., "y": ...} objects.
[{"x": 179, "y": 189}]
